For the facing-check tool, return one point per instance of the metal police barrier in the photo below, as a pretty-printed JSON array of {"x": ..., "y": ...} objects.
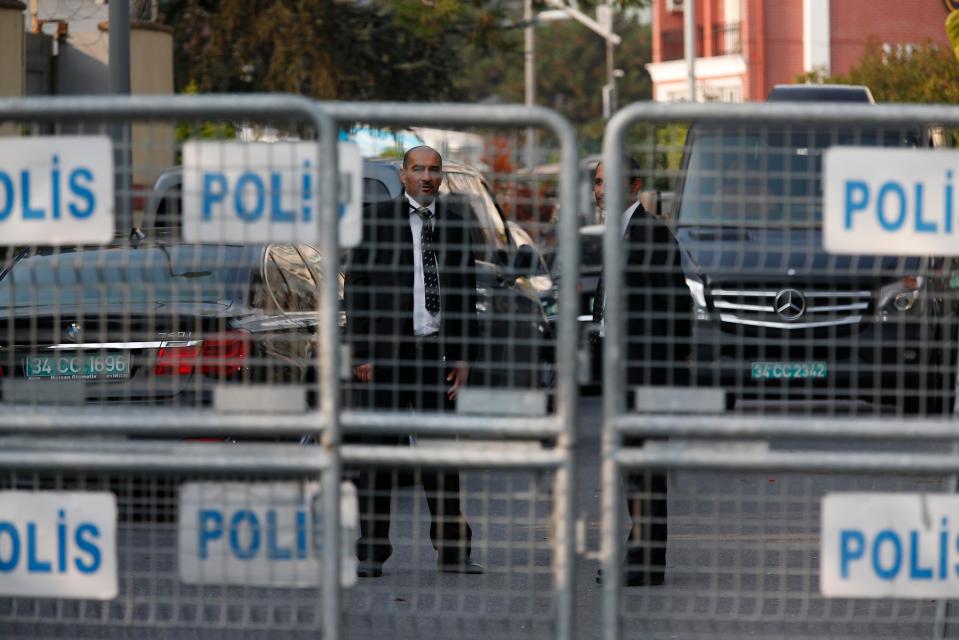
[
  {"x": 484, "y": 275},
  {"x": 780, "y": 344},
  {"x": 169, "y": 337}
]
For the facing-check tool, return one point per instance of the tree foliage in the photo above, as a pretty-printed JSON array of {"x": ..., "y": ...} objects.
[
  {"x": 570, "y": 64},
  {"x": 328, "y": 49},
  {"x": 926, "y": 73},
  {"x": 405, "y": 50},
  {"x": 952, "y": 30}
]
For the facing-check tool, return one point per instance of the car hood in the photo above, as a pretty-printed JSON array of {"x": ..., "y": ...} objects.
[{"x": 720, "y": 255}]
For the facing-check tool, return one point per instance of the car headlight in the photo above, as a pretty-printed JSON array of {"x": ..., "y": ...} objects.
[
  {"x": 900, "y": 296},
  {"x": 698, "y": 293}
]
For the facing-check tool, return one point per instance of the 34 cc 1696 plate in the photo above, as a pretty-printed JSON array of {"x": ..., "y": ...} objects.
[
  {"x": 789, "y": 370},
  {"x": 78, "y": 366}
]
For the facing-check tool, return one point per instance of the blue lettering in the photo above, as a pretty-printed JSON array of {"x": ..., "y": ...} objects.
[
  {"x": 276, "y": 552},
  {"x": 915, "y": 571},
  {"x": 253, "y": 181},
  {"x": 34, "y": 564},
  {"x": 55, "y": 184},
  {"x": 204, "y": 533},
  {"x": 300, "y": 534},
  {"x": 254, "y": 546},
  {"x": 922, "y": 226},
  {"x": 82, "y": 192},
  {"x": 211, "y": 196},
  {"x": 87, "y": 546},
  {"x": 8, "y": 188},
  {"x": 277, "y": 214},
  {"x": 887, "y": 573},
  {"x": 943, "y": 546},
  {"x": 860, "y": 203},
  {"x": 62, "y": 543},
  {"x": 948, "y": 199},
  {"x": 10, "y": 563},
  {"x": 28, "y": 213},
  {"x": 307, "y": 191},
  {"x": 852, "y": 545},
  {"x": 896, "y": 189}
]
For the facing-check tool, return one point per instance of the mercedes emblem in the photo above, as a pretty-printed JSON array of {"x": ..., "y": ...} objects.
[{"x": 790, "y": 304}]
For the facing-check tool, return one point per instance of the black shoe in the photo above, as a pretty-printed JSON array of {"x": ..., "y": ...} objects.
[
  {"x": 462, "y": 565},
  {"x": 369, "y": 569},
  {"x": 637, "y": 578}
]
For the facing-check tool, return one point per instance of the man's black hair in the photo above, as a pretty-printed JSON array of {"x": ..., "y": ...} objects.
[
  {"x": 633, "y": 170},
  {"x": 406, "y": 156}
]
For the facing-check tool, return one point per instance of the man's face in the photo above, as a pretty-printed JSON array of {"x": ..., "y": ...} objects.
[
  {"x": 599, "y": 192},
  {"x": 422, "y": 175},
  {"x": 598, "y": 188}
]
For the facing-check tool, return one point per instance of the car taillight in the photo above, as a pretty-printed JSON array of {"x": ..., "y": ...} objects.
[
  {"x": 221, "y": 355},
  {"x": 225, "y": 354},
  {"x": 175, "y": 360}
]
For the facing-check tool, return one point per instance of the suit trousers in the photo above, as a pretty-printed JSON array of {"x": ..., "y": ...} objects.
[
  {"x": 646, "y": 503},
  {"x": 417, "y": 382}
]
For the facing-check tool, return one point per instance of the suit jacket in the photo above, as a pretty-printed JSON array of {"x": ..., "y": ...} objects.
[
  {"x": 379, "y": 282},
  {"x": 658, "y": 304}
]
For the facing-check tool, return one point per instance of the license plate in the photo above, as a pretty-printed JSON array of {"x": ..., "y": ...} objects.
[
  {"x": 788, "y": 370},
  {"x": 78, "y": 366}
]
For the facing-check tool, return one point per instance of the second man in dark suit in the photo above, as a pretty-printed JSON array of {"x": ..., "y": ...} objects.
[{"x": 657, "y": 310}]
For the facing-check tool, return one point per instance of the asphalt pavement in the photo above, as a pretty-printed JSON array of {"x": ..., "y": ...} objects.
[{"x": 742, "y": 561}]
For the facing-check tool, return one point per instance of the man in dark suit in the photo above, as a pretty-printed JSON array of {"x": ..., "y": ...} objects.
[
  {"x": 658, "y": 326},
  {"x": 411, "y": 314}
]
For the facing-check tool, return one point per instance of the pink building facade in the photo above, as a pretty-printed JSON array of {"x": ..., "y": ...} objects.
[{"x": 745, "y": 47}]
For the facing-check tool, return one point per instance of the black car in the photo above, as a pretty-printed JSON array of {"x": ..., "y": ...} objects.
[
  {"x": 156, "y": 322},
  {"x": 516, "y": 295},
  {"x": 777, "y": 318}
]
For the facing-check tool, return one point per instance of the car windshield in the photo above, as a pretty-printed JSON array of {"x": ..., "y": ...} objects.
[
  {"x": 766, "y": 176},
  {"x": 148, "y": 275}
]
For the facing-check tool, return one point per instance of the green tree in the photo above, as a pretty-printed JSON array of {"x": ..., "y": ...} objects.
[
  {"x": 925, "y": 73},
  {"x": 340, "y": 49},
  {"x": 570, "y": 72},
  {"x": 328, "y": 49}
]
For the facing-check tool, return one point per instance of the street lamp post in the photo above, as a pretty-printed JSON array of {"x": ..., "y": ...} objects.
[
  {"x": 689, "y": 38},
  {"x": 530, "y": 79}
]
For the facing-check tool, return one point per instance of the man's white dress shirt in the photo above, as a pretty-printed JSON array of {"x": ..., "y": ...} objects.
[{"x": 424, "y": 322}]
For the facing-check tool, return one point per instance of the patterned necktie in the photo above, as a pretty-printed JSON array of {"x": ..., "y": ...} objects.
[{"x": 431, "y": 281}]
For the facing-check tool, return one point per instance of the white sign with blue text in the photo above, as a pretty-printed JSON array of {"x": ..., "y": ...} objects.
[
  {"x": 58, "y": 544},
  {"x": 890, "y": 545},
  {"x": 260, "y": 534},
  {"x": 56, "y": 190},
  {"x": 258, "y": 192},
  {"x": 880, "y": 201}
]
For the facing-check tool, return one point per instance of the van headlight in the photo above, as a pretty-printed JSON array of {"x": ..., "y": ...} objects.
[
  {"x": 698, "y": 293},
  {"x": 900, "y": 296}
]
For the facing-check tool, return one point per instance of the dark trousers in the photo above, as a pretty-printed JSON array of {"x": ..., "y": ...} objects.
[
  {"x": 646, "y": 503},
  {"x": 417, "y": 382}
]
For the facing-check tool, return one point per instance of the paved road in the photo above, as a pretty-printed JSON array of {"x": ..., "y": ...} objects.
[{"x": 742, "y": 562}]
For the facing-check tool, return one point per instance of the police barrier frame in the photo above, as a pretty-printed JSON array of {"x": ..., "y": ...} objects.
[
  {"x": 618, "y": 422},
  {"x": 561, "y": 425},
  {"x": 120, "y": 111}
]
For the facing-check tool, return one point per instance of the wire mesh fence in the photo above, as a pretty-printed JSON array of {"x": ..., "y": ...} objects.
[
  {"x": 741, "y": 300},
  {"x": 745, "y": 544},
  {"x": 203, "y": 319},
  {"x": 453, "y": 315}
]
